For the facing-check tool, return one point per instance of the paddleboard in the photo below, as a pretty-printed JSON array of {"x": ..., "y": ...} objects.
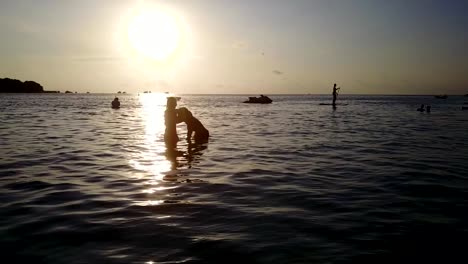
[{"x": 331, "y": 104}]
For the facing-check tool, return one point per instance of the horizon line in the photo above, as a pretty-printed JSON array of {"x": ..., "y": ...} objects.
[{"x": 256, "y": 94}]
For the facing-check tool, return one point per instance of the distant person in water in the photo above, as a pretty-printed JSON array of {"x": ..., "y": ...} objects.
[
  {"x": 421, "y": 108},
  {"x": 193, "y": 125},
  {"x": 428, "y": 109},
  {"x": 116, "y": 103},
  {"x": 335, "y": 93},
  {"x": 170, "y": 120}
]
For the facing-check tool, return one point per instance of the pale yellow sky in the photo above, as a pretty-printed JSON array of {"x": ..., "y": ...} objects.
[{"x": 239, "y": 46}]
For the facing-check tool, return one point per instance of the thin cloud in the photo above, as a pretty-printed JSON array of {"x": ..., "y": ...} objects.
[
  {"x": 239, "y": 45},
  {"x": 277, "y": 72},
  {"x": 99, "y": 59}
]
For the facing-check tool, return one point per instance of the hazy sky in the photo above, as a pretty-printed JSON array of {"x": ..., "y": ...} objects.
[{"x": 271, "y": 46}]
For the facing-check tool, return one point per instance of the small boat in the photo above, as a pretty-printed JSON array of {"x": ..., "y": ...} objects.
[
  {"x": 441, "y": 96},
  {"x": 259, "y": 100}
]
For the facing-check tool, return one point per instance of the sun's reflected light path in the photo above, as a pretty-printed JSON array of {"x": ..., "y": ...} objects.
[{"x": 150, "y": 156}]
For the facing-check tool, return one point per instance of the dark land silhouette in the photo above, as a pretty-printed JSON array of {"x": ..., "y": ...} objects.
[{"x": 8, "y": 85}]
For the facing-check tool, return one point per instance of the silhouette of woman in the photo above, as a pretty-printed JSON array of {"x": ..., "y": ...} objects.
[{"x": 193, "y": 125}]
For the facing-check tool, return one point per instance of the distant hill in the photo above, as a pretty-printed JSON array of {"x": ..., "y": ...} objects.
[{"x": 8, "y": 85}]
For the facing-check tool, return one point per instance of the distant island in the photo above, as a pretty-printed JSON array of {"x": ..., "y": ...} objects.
[{"x": 8, "y": 85}]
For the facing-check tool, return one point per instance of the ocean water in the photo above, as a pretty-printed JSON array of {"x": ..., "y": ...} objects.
[{"x": 290, "y": 182}]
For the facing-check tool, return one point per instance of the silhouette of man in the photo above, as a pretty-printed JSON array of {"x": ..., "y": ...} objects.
[
  {"x": 335, "y": 94},
  {"x": 171, "y": 120}
]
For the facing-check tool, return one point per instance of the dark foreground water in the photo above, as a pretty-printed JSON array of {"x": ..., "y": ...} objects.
[{"x": 290, "y": 182}]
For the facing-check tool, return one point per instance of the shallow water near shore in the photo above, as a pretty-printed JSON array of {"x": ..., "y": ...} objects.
[{"x": 289, "y": 182}]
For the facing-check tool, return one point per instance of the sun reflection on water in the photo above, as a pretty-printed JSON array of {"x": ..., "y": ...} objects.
[
  {"x": 151, "y": 158},
  {"x": 153, "y": 190},
  {"x": 149, "y": 203}
]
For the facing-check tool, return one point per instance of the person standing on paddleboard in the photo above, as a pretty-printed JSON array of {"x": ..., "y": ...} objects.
[{"x": 335, "y": 93}]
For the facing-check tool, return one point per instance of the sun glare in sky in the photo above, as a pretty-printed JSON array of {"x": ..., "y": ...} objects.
[
  {"x": 155, "y": 34},
  {"x": 237, "y": 47}
]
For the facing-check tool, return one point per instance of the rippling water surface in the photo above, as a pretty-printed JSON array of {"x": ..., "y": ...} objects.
[{"x": 290, "y": 182}]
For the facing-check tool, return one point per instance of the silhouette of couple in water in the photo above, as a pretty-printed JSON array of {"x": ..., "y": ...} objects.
[{"x": 173, "y": 116}]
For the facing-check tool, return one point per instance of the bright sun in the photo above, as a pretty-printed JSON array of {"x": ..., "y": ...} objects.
[{"x": 155, "y": 34}]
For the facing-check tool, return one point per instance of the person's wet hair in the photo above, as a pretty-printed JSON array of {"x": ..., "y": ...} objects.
[{"x": 171, "y": 102}]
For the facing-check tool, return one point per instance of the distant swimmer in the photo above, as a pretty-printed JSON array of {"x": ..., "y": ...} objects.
[
  {"x": 428, "y": 109},
  {"x": 335, "y": 94},
  {"x": 116, "y": 103},
  {"x": 421, "y": 108},
  {"x": 194, "y": 125}
]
